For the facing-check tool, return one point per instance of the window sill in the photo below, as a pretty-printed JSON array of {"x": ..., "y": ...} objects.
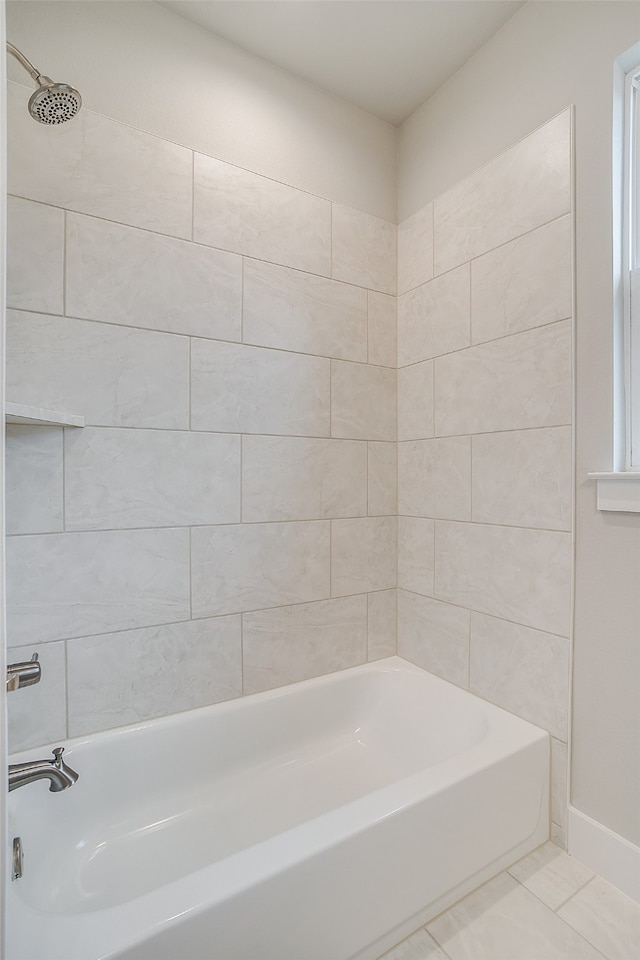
[{"x": 617, "y": 491}]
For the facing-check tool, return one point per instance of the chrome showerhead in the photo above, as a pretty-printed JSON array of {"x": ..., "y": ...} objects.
[{"x": 52, "y": 102}]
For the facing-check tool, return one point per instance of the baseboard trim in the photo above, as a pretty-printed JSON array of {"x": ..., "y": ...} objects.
[{"x": 608, "y": 854}]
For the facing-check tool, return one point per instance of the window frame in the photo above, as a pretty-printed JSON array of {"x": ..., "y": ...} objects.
[
  {"x": 619, "y": 489},
  {"x": 630, "y": 270}
]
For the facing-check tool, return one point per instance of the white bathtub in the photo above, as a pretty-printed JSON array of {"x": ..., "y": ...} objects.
[{"x": 320, "y": 821}]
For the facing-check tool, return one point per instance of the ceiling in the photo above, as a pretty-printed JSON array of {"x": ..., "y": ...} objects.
[{"x": 385, "y": 56}]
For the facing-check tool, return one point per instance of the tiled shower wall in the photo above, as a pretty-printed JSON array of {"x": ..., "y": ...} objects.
[
  {"x": 226, "y": 520},
  {"x": 484, "y": 430}
]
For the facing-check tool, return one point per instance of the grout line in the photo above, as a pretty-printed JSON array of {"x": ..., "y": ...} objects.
[
  {"x": 504, "y": 243},
  {"x": 331, "y": 204},
  {"x": 478, "y": 256},
  {"x": 64, "y": 480},
  {"x": 483, "y": 343},
  {"x": 242, "y": 439},
  {"x": 66, "y": 691},
  {"x": 203, "y": 526},
  {"x": 64, "y": 263},
  {"x": 193, "y": 195},
  {"x": 189, "y": 384},
  {"x": 470, "y": 438},
  {"x": 554, "y": 910},
  {"x": 367, "y": 628},
  {"x": 242, "y": 683},
  {"x": 260, "y": 523},
  {"x": 199, "y": 336},
  {"x": 368, "y": 327},
  {"x": 331, "y": 399},
  {"x": 493, "y": 616},
  {"x": 201, "y": 244},
  {"x": 242, "y": 300},
  {"x": 433, "y": 238},
  {"x": 266, "y": 522},
  {"x": 576, "y": 891},
  {"x": 209, "y": 616},
  {"x": 470, "y": 303},
  {"x": 331, "y": 560},
  {"x": 190, "y": 556}
]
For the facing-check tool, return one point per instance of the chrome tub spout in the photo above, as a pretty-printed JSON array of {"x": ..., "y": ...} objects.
[{"x": 56, "y": 771}]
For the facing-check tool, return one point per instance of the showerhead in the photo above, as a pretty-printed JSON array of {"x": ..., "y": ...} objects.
[{"x": 52, "y": 102}]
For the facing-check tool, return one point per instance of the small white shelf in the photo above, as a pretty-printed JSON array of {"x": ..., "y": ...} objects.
[
  {"x": 38, "y": 416},
  {"x": 618, "y": 492}
]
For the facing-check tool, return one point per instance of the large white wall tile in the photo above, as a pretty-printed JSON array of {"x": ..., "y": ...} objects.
[
  {"x": 140, "y": 279},
  {"x": 415, "y": 249},
  {"x": 381, "y": 624},
  {"x": 382, "y": 329},
  {"x": 526, "y": 283},
  {"x": 434, "y": 636},
  {"x": 136, "y": 675},
  {"x": 521, "y": 575},
  {"x": 434, "y": 478},
  {"x": 33, "y": 479},
  {"x": 517, "y": 382},
  {"x": 416, "y": 555},
  {"x": 75, "y": 584},
  {"x": 522, "y": 670},
  {"x": 383, "y": 479},
  {"x": 111, "y": 375},
  {"x": 240, "y": 389},
  {"x": 363, "y": 555},
  {"x": 523, "y": 478},
  {"x": 435, "y": 318},
  {"x": 35, "y": 256},
  {"x": 523, "y": 188},
  {"x": 252, "y": 566},
  {"x": 415, "y": 401},
  {"x": 243, "y": 212},
  {"x": 100, "y": 167},
  {"x": 150, "y": 478},
  {"x": 307, "y": 640},
  {"x": 364, "y": 249},
  {"x": 291, "y": 310},
  {"x": 293, "y": 478},
  {"x": 362, "y": 401},
  {"x": 38, "y": 714}
]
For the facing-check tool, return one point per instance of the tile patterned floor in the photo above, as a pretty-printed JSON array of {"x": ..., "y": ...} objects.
[{"x": 548, "y": 906}]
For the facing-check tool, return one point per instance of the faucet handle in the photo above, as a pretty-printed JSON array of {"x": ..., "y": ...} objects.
[
  {"x": 23, "y": 674},
  {"x": 59, "y": 764}
]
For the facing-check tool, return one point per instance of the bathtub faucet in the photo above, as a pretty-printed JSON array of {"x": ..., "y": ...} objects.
[{"x": 56, "y": 770}]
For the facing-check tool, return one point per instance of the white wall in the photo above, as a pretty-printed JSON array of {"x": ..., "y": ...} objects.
[
  {"x": 146, "y": 66},
  {"x": 548, "y": 56}
]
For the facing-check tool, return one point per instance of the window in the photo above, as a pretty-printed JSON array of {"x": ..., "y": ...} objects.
[
  {"x": 620, "y": 489},
  {"x": 631, "y": 270}
]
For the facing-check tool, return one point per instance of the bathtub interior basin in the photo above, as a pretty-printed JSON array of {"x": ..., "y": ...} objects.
[{"x": 173, "y": 816}]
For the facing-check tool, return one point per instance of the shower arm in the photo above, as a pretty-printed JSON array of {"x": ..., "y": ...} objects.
[{"x": 20, "y": 57}]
